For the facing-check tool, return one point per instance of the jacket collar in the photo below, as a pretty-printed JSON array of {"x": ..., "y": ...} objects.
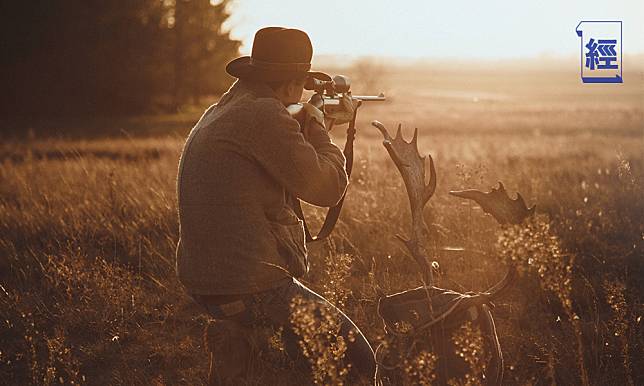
[
  {"x": 261, "y": 90},
  {"x": 243, "y": 87}
]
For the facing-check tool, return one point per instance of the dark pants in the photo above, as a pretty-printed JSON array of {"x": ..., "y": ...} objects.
[{"x": 272, "y": 309}]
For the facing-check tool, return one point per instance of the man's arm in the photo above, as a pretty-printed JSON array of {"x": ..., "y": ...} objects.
[{"x": 312, "y": 170}]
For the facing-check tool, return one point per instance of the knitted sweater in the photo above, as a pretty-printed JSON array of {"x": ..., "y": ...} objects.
[{"x": 242, "y": 166}]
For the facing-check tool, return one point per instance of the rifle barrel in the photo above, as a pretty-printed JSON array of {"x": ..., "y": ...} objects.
[
  {"x": 370, "y": 98},
  {"x": 294, "y": 109},
  {"x": 364, "y": 98}
]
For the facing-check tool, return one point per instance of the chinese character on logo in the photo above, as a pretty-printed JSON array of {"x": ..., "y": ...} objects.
[
  {"x": 601, "y": 54},
  {"x": 603, "y": 50}
]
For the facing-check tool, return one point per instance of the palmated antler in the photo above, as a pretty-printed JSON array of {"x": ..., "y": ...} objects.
[
  {"x": 505, "y": 210},
  {"x": 428, "y": 308},
  {"x": 412, "y": 169},
  {"x": 497, "y": 203}
]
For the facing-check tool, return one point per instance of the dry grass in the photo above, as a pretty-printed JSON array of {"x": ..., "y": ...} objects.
[{"x": 88, "y": 230}]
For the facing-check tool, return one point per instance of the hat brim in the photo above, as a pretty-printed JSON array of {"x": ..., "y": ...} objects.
[{"x": 243, "y": 69}]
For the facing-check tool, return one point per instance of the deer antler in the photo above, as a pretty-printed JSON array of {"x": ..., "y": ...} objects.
[
  {"x": 497, "y": 203},
  {"x": 505, "y": 210},
  {"x": 412, "y": 169}
]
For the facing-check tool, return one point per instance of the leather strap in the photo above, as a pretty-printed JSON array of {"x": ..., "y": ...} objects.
[{"x": 334, "y": 212}]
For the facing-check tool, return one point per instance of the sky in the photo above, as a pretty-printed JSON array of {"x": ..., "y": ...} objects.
[{"x": 490, "y": 29}]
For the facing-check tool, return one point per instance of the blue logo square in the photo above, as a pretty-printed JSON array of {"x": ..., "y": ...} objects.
[{"x": 601, "y": 51}]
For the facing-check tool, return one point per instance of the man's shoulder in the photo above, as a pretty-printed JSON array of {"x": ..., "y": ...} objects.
[
  {"x": 240, "y": 110},
  {"x": 270, "y": 112},
  {"x": 266, "y": 107},
  {"x": 247, "y": 106}
]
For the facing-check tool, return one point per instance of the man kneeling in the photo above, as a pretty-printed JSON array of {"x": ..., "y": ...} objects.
[{"x": 243, "y": 168}]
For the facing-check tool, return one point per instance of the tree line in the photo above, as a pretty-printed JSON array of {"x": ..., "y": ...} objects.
[{"x": 99, "y": 57}]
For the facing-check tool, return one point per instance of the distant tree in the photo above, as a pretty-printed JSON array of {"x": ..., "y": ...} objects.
[
  {"x": 202, "y": 49},
  {"x": 78, "y": 57}
]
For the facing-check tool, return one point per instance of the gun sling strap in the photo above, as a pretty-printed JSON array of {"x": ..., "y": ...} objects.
[{"x": 334, "y": 212}]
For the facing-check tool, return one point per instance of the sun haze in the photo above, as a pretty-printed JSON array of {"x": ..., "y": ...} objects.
[{"x": 418, "y": 28}]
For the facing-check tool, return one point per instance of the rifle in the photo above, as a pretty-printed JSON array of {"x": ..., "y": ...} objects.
[
  {"x": 327, "y": 97},
  {"x": 328, "y": 93}
]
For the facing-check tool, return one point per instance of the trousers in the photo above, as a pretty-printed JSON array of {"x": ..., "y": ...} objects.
[{"x": 279, "y": 309}]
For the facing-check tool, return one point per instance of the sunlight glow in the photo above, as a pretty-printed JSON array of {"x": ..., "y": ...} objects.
[{"x": 421, "y": 28}]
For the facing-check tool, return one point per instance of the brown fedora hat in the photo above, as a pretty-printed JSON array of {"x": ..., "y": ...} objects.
[{"x": 278, "y": 54}]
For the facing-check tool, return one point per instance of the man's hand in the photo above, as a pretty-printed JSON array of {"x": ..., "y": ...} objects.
[
  {"x": 344, "y": 112},
  {"x": 307, "y": 115},
  {"x": 312, "y": 112}
]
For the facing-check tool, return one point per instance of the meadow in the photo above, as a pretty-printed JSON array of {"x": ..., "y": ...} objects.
[{"x": 88, "y": 229}]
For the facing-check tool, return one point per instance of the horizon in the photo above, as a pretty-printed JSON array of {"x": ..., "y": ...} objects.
[
  {"x": 403, "y": 60},
  {"x": 523, "y": 31}
]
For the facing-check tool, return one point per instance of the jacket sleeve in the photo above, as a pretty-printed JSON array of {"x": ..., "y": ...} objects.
[{"x": 312, "y": 170}]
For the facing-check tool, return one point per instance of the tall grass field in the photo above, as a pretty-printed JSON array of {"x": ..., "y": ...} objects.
[{"x": 88, "y": 230}]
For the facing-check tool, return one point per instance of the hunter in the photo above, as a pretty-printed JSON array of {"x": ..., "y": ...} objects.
[{"x": 243, "y": 167}]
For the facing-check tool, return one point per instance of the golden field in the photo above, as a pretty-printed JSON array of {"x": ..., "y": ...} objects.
[{"x": 88, "y": 228}]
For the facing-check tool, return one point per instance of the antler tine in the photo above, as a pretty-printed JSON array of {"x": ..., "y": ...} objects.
[
  {"x": 431, "y": 188},
  {"x": 382, "y": 129},
  {"x": 412, "y": 169},
  {"x": 399, "y": 131}
]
